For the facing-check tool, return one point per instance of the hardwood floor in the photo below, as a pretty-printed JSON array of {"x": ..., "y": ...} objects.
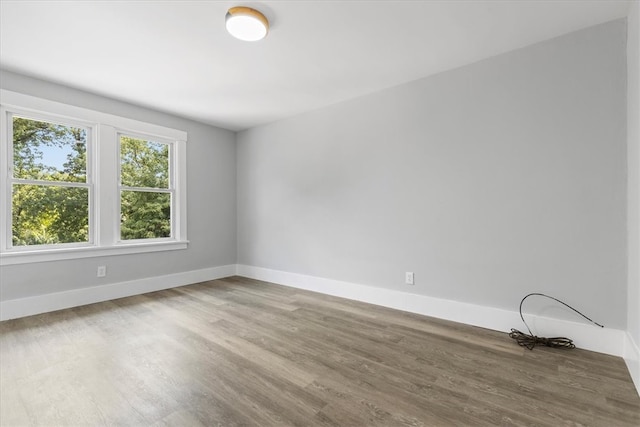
[{"x": 238, "y": 352}]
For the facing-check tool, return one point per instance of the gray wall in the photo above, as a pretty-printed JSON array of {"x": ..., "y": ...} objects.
[
  {"x": 489, "y": 182},
  {"x": 211, "y": 195}
]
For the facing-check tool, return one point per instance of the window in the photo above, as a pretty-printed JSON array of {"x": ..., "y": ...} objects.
[
  {"x": 145, "y": 190},
  {"x": 49, "y": 187},
  {"x": 82, "y": 183}
]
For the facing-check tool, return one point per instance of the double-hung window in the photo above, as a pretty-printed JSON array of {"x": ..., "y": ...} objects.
[
  {"x": 50, "y": 181},
  {"x": 146, "y": 188},
  {"x": 80, "y": 183}
]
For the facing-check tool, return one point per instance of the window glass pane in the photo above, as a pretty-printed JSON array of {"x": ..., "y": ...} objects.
[
  {"x": 143, "y": 163},
  {"x": 44, "y": 215},
  {"x": 145, "y": 215},
  {"x": 49, "y": 151}
]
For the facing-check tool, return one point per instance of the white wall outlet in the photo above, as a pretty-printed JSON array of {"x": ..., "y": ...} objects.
[
  {"x": 408, "y": 278},
  {"x": 102, "y": 271}
]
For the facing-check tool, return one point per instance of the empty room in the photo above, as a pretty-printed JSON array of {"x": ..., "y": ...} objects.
[{"x": 320, "y": 213}]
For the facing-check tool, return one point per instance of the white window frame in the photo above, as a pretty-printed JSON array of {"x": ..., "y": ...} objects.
[{"x": 103, "y": 177}]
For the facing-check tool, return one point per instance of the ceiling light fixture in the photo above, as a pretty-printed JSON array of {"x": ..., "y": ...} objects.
[{"x": 246, "y": 24}]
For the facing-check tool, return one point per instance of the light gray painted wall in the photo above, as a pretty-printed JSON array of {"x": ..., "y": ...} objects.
[
  {"x": 490, "y": 181},
  {"x": 633, "y": 137},
  {"x": 211, "y": 195}
]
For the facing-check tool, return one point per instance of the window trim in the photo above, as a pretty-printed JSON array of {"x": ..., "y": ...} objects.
[{"x": 104, "y": 129}]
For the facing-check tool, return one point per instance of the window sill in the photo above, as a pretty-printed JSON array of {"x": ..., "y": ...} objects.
[{"x": 46, "y": 255}]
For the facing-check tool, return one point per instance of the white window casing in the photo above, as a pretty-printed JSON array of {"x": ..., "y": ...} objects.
[{"x": 103, "y": 163}]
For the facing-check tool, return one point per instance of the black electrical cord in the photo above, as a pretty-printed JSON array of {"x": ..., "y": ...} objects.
[{"x": 530, "y": 341}]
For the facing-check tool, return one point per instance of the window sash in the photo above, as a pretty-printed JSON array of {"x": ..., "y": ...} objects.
[
  {"x": 149, "y": 138},
  {"x": 48, "y": 118},
  {"x": 172, "y": 230},
  {"x": 89, "y": 242}
]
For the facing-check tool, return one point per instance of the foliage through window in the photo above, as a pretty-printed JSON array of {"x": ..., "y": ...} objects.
[
  {"x": 145, "y": 192},
  {"x": 50, "y": 192}
]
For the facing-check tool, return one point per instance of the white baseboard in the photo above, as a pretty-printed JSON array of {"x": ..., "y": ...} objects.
[
  {"x": 11, "y": 309},
  {"x": 632, "y": 359},
  {"x": 586, "y": 336},
  {"x": 609, "y": 341}
]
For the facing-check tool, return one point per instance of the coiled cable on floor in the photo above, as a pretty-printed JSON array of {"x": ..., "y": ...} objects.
[{"x": 530, "y": 341}]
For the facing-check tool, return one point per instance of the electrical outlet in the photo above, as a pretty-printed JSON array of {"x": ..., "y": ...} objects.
[
  {"x": 102, "y": 271},
  {"x": 408, "y": 278}
]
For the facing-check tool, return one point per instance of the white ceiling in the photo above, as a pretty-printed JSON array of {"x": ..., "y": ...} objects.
[{"x": 176, "y": 56}]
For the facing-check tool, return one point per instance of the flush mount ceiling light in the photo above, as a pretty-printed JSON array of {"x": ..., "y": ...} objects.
[{"x": 246, "y": 24}]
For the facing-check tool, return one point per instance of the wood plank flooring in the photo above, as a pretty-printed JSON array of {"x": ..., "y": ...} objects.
[{"x": 239, "y": 352}]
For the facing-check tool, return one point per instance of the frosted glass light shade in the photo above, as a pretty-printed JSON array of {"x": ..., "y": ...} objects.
[{"x": 246, "y": 24}]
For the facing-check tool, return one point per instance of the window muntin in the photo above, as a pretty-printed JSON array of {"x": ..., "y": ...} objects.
[{"x": 50, "y": 192}]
